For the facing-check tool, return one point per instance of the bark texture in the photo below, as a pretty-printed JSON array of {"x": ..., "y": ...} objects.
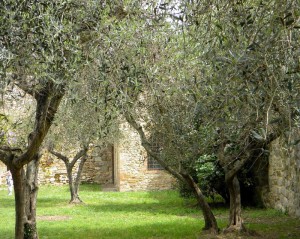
[
  {"x": 235, "y": 222},
  {"x": 235, "y": 212},
  {"x": 31, "y": 191},
  {"x": 19, "y": 182}
]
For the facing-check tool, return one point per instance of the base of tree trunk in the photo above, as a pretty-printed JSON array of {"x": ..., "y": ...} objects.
[
  {"x": 211, "y": 231},
  {"x": 235, "y": 228},
  {"x": 76, "y": 201},
  {"x": 30, "y": 231},
  {"x": 240, "y": 230}
]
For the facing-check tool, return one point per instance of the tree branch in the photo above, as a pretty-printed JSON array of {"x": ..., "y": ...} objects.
[
  {"x": 80, "y": 167},
  {"x": 48, "y": 99},
  {"x": 9, "y": 149},
  {"x": 60, "y": 156},
  {"x": 4, "y": 156},
  {"x": 80, "y": 154},
  {"x": 253, "y": 145}
]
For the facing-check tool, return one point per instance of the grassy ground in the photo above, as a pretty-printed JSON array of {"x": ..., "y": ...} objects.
[{"x": 134, "y": 215}]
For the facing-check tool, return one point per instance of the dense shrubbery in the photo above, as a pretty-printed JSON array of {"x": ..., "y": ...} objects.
[{"x": 209, "y": 175}]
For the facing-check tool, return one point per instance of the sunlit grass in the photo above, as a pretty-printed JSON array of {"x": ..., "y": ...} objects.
[{"x": 130, "y": 215}]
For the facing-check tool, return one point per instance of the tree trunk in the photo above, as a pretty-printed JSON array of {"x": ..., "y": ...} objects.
[
  {"x": 31, "y": 190},
  {"x": 73, "y": 191},
  {"x": 209, "y": 218},
  {"x": 19, "y": 181},
  {"x": 74, "y": 186},
  {"x": 78, "y": 176},
  {"x": 235, "y": 216}
]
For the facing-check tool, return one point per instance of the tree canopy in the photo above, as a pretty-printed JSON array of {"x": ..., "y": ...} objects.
[{"x": 202, "y": 78}]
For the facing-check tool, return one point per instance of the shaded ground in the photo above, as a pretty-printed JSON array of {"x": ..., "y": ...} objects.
[{"x": 263, "y": 224}]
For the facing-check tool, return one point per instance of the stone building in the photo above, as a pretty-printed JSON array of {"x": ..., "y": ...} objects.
[
  {"x": 134, "y": 169},
  {"x": 124, "y": 166},
  {"x": 283, "y": 191}
]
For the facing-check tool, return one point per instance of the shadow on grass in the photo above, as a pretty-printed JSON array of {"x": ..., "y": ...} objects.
[
  {"x": 162, "y": 202},
  {"x": 132, "y": 207},
  {"x": 52, "y": 202},
  {"x": 176, "y": 229}
]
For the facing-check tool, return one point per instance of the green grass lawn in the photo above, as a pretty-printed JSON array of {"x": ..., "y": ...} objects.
[{"x": 134, "y": 215}]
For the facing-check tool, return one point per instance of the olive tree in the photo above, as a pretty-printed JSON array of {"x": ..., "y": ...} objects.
[
  {"x": 80, "y": 125},
  {"x": 145, "y": 77},
  {"x": 243, "y": 62},
  {"x": 248, "y": 61},
  {"x": 41, "y": 53}
]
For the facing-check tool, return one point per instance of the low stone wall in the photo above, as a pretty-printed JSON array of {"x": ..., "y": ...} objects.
[
  {"x": 132, "y": 166},
  {"x": 97, "y": 169},
  {"x": 284, "y": 177},
  {"x": 52, "y": 170}
]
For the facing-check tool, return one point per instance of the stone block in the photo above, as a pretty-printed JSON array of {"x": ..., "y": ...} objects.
[{"x": 97, "y": 159}]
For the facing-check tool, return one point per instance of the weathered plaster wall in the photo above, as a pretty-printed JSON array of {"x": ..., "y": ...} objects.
[
  {"x": 132, "y": 166},
  {"x": 284, "y": 177}
]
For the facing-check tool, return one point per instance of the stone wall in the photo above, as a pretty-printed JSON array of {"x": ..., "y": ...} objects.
[
  {"x": 132, "y": 171},
  {"x": 124, "y": 165},
  {"x": 97, "y": 169},
  {"x": 52, "y": 170},
  {"x": 284, "y": 177}
]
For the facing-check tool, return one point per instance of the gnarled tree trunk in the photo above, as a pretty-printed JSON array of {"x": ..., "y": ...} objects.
[
  {"x": 78, "y": 178},
  {"x": 74, "y": 195},
  {"x": 19, "y": 181},
  {"x": 31, "y": 190},
  {"x": 209, "y": 218},
  {"x": 235, "y": 212}
]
